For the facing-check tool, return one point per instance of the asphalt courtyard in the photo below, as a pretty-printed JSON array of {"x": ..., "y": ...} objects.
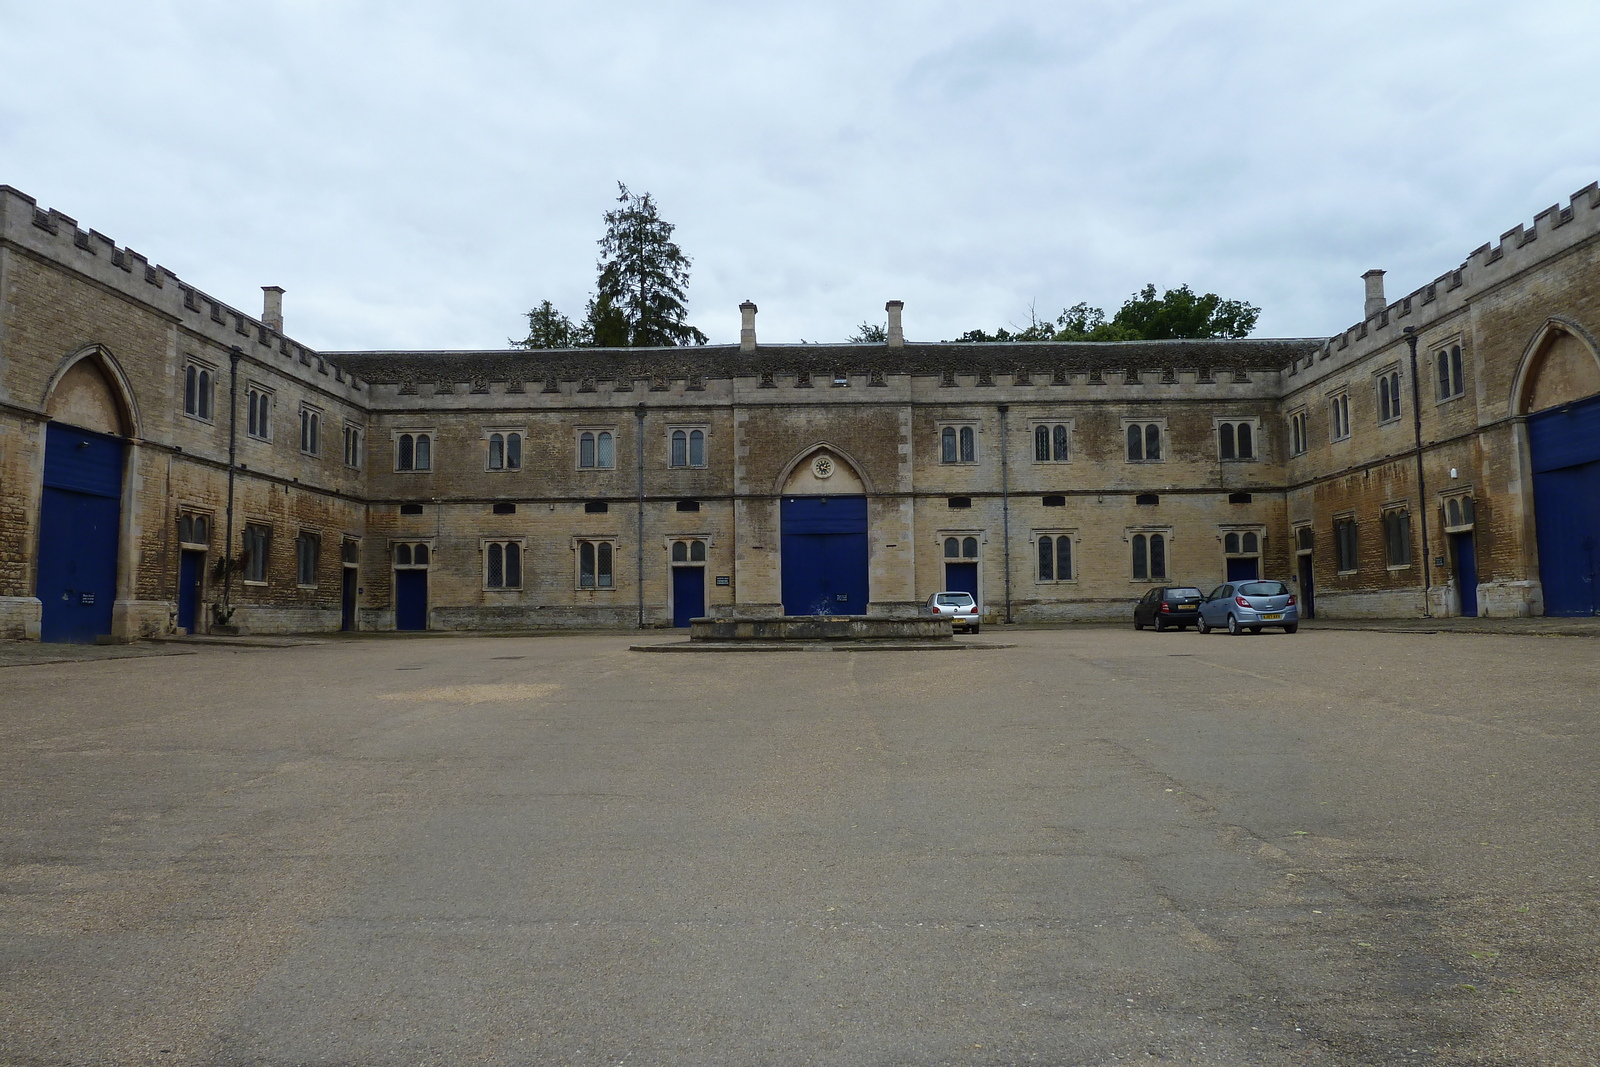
[{"x": 1097, "y": 847}]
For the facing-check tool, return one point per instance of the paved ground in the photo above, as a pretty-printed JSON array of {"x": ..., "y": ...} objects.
[{"x": 1099, "y": 847}]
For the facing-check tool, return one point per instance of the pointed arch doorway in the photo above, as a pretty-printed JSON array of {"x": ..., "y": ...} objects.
[
  {"x": 824, "y": 550},
  {"x": 80, "y": 510}
]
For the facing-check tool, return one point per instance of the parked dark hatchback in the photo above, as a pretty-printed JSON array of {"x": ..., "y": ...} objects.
[{"x": 1168, "y": 607}]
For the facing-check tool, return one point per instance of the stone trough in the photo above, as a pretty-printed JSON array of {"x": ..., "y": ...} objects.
[{"x": 820, "y": 633}]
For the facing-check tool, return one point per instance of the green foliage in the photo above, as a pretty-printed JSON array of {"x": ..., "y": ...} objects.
[
  {"x": 639, "y": 293},
  {"x": 1142, "y": 317},
  {"x": 868, "y": 334}
]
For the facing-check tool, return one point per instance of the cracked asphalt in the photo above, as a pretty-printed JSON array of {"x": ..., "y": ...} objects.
[{"x": 1098, "y": 847}]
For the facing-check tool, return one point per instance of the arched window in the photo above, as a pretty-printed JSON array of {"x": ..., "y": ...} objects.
[
  {"x": 947, "y": 445},
  {"x": 1141, "y": 558},
  {"x": 424, "y": 452},
  {"x": 952, "y": 548},
  {"x": 1041, "y": 443},
  {"x": 1152, "y": 441},
  {"x": 1135, "y": 443},
  {"x": 603, "y": 562},
  {"x": 680, "y": 448},
  {"x": 1158, "y": 556},
  {"x": 402, "y": 555},
  {"x": 969, "y": 445},
  {"x": 421, "y": 556},
  {"x": 1247, "y": 447},
  {"x": 1059, "y": 440},
  {"x": 697, "y": 448},
  {"x": 1230, "y": 544},
  {"x": 203, "y": 400},
  {"x": 969, "y": 547},
  {"x": 1453, "y": 512},
  {"x": 1225, "y": 440},
  {"x": 604, "y": 451},
  {"x": 494, "y": 566},
  {"x": 497, "y": 452},
  {"x": 1252, "y": 544},
  {"x": 697, "y": 551},
  {"x": 1063, "y": 559},
  {"x": 1047, "y": 559},
  {"x": 680, "y": 552},
  {"x": 586, "y": 449},
  {"x": 586, "y": 565},
  {"x": 405, "y": 455},
  {"x": 191, "y": 390}
]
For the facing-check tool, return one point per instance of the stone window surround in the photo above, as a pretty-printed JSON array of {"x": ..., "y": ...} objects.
[
  {"x": 596, "y": 540},
  {"x": 1162, "y": 436},
  {"x": 1299, "y": 431},
  {"x": 259, "y": 401},
  {"x": 415, "y": 431},
  {"x": 504, "y": 431},
  {"x": 314, "y": 425},
  {"x": 1398, "y": 507},
  {"x": 352, "y": 458},
  {"x": 248, "y": 566},
  {"x": 958, "y": 425},
  {"x": 1336, "y": 521},
  {"x": 209, "y": 402},
  {"x": 427, "y": 542},
  {"x": 208, "y": 514},
  {"x": 687, "y": 428},
  {"x": 1242, "y": 528},
  {"x": 1252, "y": 421},
  {"x": 1165, "y": 532},
  {"x": 1033, "y": 429},
  {"x": 1073, "y": 538},
  {"x": 522, "y": 563},
  {"x": 1380, "y": 382},
  {"x": 1443, "y": 350},
  {"x": 577, "y": 447},
  {"x": 314, "y": 538}
]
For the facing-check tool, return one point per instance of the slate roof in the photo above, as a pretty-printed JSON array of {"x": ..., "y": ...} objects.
[{"x": 728, "y": 361}]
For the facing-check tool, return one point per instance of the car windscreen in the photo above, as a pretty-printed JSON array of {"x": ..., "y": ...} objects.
[
  {"x": 1180, "y": 594},
  {"x": 955, "y": 598},
  {"x": 1263, "y": 589}
]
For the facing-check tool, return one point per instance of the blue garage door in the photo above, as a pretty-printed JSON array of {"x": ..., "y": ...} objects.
[
  {"x": 825, "y": 555},
  {"x": 78, "y": 521},
  {"x": 1565, "y": 446}
]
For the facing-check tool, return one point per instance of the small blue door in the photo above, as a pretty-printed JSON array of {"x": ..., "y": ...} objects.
[
  {"x": 1244, "y": 570},
  {"x": 191, "y": 571},
  {"x": 1565, "y": 446},
  {"x": 79, "y": 516},
  {"x": 962, "y": 578},
  {"x": 411, "y": 599},
  {"x": 824, "y": 569},
  {"x": 688, "y": 594},
  {"x": 1466, "y": 555}
]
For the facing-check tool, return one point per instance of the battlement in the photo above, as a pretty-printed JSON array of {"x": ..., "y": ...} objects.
[
  {"x": 1555, "y": 230},
  {"x": 57, "y": 237}
]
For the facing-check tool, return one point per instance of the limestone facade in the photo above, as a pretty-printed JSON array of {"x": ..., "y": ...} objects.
[{"x": 567, "y": 488}]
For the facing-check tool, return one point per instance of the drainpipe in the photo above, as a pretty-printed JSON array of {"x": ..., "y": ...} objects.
[
  {"x": 233, "y": 450},
  {"x": 1422, "y": 488},
  {"x": 1005, "y": 504},
  {"x": 639, "y": 537}
]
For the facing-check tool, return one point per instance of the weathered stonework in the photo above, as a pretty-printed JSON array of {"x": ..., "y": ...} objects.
[{"x": 93, "y": 336}]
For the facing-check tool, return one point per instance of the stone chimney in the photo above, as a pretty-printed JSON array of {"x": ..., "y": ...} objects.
[
  {"x": 1375, "y": 299},
  {"x": 747, "y": 327},
  {"x": 897, "y": 333},
  {"x": 272, "y": 307}
]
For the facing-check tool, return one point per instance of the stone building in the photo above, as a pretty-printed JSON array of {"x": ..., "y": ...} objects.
[{"x": 168, "y": 461}]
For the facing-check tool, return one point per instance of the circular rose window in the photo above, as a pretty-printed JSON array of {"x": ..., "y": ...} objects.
[{"x": 822, "y": 467}]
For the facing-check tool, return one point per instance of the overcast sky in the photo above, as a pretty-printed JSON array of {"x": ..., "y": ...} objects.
[{"x": 417, "y": 175}]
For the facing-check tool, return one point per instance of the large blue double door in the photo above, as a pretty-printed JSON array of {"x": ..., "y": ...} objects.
[
  {"x": 824, "y": 555},
  {"x": 79, "y": 517},
  {"x": 1565, "y": 446}
]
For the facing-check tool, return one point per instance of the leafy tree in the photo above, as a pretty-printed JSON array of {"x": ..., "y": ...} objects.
[
  {"x": 643, "y": 276},
  {"x": 868, "y": 334},
  {"x": 1143, "y": 316},
  {"x": 548, "y": 328},
  {"x": 638, "y": 302}
]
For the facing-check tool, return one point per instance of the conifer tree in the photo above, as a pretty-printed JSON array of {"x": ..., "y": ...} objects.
[{"x": 643, "y": 277}]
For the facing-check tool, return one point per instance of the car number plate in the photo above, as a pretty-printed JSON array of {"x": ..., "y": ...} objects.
[{"x": 1270, "y": 618}]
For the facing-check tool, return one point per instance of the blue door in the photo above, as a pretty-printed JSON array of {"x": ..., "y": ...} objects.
[
  {"x": 79, "y": 516},
  {"x": 688, "y": 594},
  {"x": 1565, "y": 446},
  {"x": 824, "y": 555},
  {"x": 1466, "y": 555},
  {"x": 411, "y": 599},
  {"x": 1244, "y": 569},
  {"x": 191, "y": 572},
  {"x": 962, "y": 578}
]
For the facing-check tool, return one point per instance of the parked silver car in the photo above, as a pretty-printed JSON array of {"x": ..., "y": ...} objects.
[
  {"x": 960, "y": 607},
  {"x": 1240, "y": 606}
]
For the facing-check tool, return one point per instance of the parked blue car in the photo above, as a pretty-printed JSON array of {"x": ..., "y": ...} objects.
[{"x": 1241, "y": 606}]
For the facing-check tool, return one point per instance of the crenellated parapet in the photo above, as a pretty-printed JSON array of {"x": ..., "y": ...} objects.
[
  {"x": 1555, "y": 231},
  {"x": 57, "y": 238}
]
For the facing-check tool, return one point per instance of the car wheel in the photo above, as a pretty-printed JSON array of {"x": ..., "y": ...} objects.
[
  {"x": 1205, "y": 627},
  {"x": 1292, "y": 628},
  {"x": 1161, "y": 625},
  {"x": 1233, "y": 625},
  {"x": 1137, "y": 625},
  {"x": 975, "y": 627}
]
